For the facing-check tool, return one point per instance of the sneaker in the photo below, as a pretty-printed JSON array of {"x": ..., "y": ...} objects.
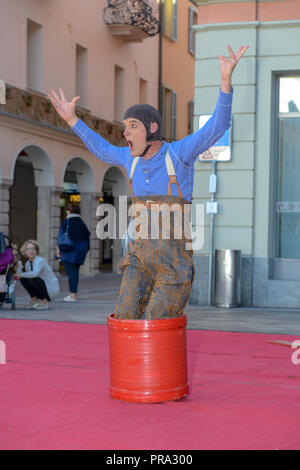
[
  {"x": 69, "y": 299},
  {"x": 44, "y": 306},
  {"x": 32, "y": 305}
]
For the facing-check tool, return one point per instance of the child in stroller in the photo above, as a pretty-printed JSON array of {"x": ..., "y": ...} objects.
[{"x": 9, "y": 263}]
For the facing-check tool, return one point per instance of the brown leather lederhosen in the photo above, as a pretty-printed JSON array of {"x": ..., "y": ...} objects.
[{"x": 157, "y": 273}]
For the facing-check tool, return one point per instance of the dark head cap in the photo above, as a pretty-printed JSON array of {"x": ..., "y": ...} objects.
[{"x": 147, "y": 115}]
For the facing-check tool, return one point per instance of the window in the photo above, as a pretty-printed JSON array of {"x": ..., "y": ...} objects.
[
  {"x": 169, "y": 20},
  {"x": 34, "y": 56},
  {"x": 82, "y": 75},
  {"x": 143, "y": 91},
  {"x": 169, "y": 113},
  {"x": 193, "y": 19},
  {"x": 288, "y": 169},
  {"x": 119, "y": 94}
]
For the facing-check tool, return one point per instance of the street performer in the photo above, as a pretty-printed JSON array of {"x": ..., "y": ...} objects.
[{"x": 157, "y": 273}]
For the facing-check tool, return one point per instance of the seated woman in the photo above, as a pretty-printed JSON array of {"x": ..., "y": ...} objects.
[{"x": 38, "y": 279}]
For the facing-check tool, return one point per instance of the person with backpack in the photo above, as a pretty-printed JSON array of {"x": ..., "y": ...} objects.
[{"x": 73, "y": 244}]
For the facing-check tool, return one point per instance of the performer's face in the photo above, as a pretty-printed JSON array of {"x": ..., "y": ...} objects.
[{"x": 135, "y": 134}]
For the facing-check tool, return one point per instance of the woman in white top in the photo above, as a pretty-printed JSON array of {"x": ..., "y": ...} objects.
[{"x": 38, "y": 279}]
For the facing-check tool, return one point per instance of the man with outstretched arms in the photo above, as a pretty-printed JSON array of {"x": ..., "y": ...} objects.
[{"x": 157, "y": 271}]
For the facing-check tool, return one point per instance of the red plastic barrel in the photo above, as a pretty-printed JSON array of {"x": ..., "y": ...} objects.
[{"x": 148, "y": 361}]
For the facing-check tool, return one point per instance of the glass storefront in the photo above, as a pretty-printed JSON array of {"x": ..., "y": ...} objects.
[
  {"x": 288, "y": 171},
  {"x": 286, "y": 265}
]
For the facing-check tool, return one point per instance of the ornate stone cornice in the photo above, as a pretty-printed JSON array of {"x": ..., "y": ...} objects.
[
  {"x": 248, "y": 24},
  {"x": 214, "y": 2},
  {"x": 37, "y": 108}
]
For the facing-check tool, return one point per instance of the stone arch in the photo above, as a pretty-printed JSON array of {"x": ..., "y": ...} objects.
[
  {"x": 30, "y": 196},
  {"x": 41, "y": 162},
  {"x": 114, "y": 184},
  {"x": 79, "y": 188},
  {"x": 81, "y": 172},
  {"x": 78, "y": 180}
]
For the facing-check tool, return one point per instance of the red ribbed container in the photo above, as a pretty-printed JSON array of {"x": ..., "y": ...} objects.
[{"x": 148, "y": 360}]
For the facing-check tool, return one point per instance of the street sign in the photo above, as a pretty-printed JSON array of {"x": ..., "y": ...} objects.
[{"x": 221, "y": 150}]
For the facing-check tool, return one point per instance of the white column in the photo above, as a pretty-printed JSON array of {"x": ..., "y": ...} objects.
[
  {"x": 54, "y": 224},
  {"x": 44, "y": 221},
  {"x": 88, "y": 206}
]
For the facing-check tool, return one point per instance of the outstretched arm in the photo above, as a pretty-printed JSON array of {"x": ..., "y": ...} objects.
[
  {"x": 192, "y": 145},
  {"x": 94, "y": 142}
]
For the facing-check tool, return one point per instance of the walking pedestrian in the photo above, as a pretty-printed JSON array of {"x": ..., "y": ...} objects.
[{"x": 74, "y": 256}]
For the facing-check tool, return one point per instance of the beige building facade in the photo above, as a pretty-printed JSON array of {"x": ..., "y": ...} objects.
[{"x": 76, "y": 46}]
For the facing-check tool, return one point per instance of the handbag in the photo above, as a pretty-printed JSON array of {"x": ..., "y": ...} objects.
[{"x": 64, "y": 241}]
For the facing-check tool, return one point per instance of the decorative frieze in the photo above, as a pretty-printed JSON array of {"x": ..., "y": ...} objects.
[{"x": 37, "y": 108}]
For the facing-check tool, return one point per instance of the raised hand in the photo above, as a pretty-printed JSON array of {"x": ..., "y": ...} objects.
[
  {"x": 228, "y": 64},
  {"x": 64, "y": 108}
]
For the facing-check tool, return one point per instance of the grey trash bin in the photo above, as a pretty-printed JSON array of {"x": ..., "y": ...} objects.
[{"x": 227, "y": 291}]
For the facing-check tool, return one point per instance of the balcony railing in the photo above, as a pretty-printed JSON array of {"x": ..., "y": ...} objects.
[{"x": 133, "y": 20}]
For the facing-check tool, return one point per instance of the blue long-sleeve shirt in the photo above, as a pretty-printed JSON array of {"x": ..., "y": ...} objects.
[{"x": 150, "y": 176}]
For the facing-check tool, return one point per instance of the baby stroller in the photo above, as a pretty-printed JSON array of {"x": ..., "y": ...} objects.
[{"x": 7, "y": 284}]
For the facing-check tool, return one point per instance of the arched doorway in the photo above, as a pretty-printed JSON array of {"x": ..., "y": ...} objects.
[
  {"x": 78, "y": 179},
  {"x": 23, "y": 201},
  {"x": 114, "y": 185},
  {"x": 32, "y": 173},
  {"x": 79, "y": 188}
]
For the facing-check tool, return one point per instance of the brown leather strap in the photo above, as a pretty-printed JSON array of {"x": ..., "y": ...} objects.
[
  {"x": 173, "y": 180},
  {"x": 170, "y": 169},
  {"x": 131, "y": 191}
]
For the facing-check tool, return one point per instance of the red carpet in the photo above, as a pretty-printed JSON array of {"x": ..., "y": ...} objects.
[{"x": 244, "y": 393}]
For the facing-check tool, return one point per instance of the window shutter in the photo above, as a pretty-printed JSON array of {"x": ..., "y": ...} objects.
[
  {"x": 174, "y": 115},
  {"x": 191, "y": 117},
  {"x": 163, "y": 110},
  {"x": 175, "y": 20},
  {"x": 163, "y": 17},
  {"x": 191, "y": 32}
]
